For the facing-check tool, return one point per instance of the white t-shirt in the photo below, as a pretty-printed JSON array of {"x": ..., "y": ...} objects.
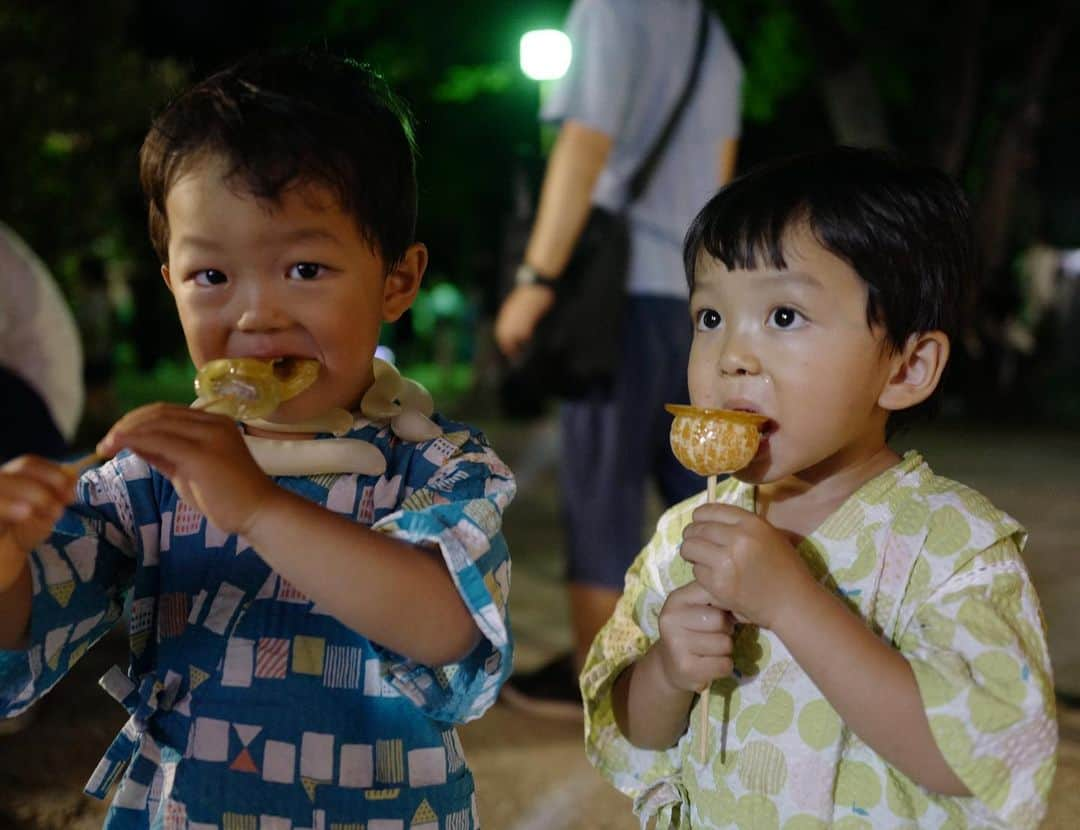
[{"x": 39, "y": 340}]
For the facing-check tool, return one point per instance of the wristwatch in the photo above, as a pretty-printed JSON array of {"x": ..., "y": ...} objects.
[{"x": 527, "y": 275}]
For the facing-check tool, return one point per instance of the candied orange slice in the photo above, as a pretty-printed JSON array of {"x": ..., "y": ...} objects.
[{"x": 714, "y": 441}]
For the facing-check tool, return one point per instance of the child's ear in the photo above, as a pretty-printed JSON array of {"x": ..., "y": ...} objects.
[
  {"x": 916, "y": 371},
  {"x": 402, "y": 283}
]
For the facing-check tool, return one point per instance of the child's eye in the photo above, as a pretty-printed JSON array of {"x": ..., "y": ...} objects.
[
  {"x": 305, "y": 271},
  {"x": 785, "y": 317},
  {"x": 708, "y": 319},
  {"x": 209, "y": 276}
]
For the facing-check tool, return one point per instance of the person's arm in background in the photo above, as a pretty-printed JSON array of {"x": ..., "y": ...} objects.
[
  {"x": 726, "y": 153},
  {"x": 578, "y": 157}
]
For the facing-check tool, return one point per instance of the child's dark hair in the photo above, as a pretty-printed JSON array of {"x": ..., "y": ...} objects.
[
  {"x": 903, "y": 227},
  {"x": 293, "y": 118}
]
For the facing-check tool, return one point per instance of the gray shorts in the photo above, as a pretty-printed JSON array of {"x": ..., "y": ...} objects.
[{"x": 614, "y": 443}]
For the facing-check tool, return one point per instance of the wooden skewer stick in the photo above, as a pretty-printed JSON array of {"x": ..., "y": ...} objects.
[
  {"x": 703, "y": 729},
  {"x": 83, "y": 462},
  {"x": 94, "y": 458}
]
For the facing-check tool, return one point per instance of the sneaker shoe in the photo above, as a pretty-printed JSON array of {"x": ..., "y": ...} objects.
[{"x": 550, "y": 691}]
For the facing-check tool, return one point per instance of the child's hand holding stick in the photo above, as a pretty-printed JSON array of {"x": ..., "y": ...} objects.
[{"x": 713, "y": 442}]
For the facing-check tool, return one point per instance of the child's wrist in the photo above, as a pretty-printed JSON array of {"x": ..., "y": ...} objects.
[
  {"x": 657, "y": 673},
  {"x": 793, "y": 603},
  {"x": 267, "y": 505},
  {"x": 13, "y": 561}
]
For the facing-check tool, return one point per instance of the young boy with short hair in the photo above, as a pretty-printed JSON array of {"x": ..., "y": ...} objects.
[
  {"x": 306, "y": 629},
  {"x": 889, "y": 666}
]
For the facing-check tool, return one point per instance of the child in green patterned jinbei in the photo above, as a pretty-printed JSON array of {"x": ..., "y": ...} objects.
[{"x": 872, "y": 641}]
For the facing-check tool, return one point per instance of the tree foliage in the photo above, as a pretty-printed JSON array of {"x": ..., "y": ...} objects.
[
  {"x": 985, "y": 90},
  {"x": 76, "y": 98}
]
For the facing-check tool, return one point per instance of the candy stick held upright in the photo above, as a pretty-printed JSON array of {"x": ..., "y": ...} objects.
[{"x": 713, "y": 442}]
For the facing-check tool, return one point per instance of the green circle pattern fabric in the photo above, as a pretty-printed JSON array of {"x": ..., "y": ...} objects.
[{"x": 936, "y": 570}]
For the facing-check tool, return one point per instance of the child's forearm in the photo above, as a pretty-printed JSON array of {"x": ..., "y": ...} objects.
[
  {"x": 651, "y": 713},
  {"x": 868, "y": 683},
  {"x": 366, "y": 579},
  {"x": 15, "y": 601}
]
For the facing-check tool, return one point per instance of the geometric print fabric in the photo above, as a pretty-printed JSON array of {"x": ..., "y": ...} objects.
[{"x": 258, "y": 695}]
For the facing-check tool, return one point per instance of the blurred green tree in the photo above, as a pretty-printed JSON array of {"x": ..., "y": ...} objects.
[
  {"x": 76, "y": 98},
  {"x": 984, "y": 90}
]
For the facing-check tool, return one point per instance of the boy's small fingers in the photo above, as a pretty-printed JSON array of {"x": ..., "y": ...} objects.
[
  {"x": 722, "y": 667},
  {"x": 19, "y": 463},
  {"x": 61, "y": 480},
  {"x": 709, "y": 646},
  {"x": 686, "y": 550},
  {"x": 32, "y": 491},
  {"x": 197, "y": 431},
  {"x": 162, "y": 464},
  {"x": 716, "y": 512},
  {"x": 160, "y": 453},
  {"x": 690, "y": 593},
  {"x": 706, "y": 574},
  {"x": 15, "y": 511},
  {"x": 154, "y": 414},
  {"x": 710, "y": 669},
  {"x": 696, "y": 551},
  {"x": 716, "y": 533},
  {"x": 47, "y": 473},
  {"x": 701, "y": 619},
  {"x": 166, "y": 438},
  {"x": 712, "y": 621}
]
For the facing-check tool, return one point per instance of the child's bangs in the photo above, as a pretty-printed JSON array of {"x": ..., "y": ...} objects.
[{"x": 742, "y": 233}]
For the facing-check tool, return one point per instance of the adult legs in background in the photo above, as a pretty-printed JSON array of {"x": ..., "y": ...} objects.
[{"x": 613, "y": 444}]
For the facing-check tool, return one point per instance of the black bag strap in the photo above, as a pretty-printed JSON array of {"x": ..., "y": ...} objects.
[{"x": 640, "y": 180}]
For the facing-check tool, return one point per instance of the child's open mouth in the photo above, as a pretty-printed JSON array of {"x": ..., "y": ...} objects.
[
  {"x": 766, "y": 429},
  {"x": 284, "y": 367},
  {"x": 295, "y": 374}
]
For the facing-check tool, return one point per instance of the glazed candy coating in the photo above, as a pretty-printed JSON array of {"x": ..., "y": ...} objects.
[
  {"x": 714, "y": 441},
  {"x": 246, "y": 387}
]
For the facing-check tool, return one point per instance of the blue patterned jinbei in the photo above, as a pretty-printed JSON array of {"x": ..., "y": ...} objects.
[{"x": 250, "y": 708}]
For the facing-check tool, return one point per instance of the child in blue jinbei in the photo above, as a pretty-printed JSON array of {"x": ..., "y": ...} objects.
[{"x": 317, "y": 596}]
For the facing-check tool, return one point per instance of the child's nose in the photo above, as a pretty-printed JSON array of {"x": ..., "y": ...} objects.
[
  {"x": 738, "y": 358},
  {"x": 260, "y": 311},
  {"x": 255, "y": 320}
]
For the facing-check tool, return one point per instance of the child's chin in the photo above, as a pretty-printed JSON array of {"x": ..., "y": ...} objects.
[
  {"x": 757, "y": 471},
  {"x": 298, "y": 410},
  {"x": 746, "y": 476},
  {"x": 292, "y": 412}
]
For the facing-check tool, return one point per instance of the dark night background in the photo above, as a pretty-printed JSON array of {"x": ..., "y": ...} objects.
[{"x": 987, "y": 91}]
